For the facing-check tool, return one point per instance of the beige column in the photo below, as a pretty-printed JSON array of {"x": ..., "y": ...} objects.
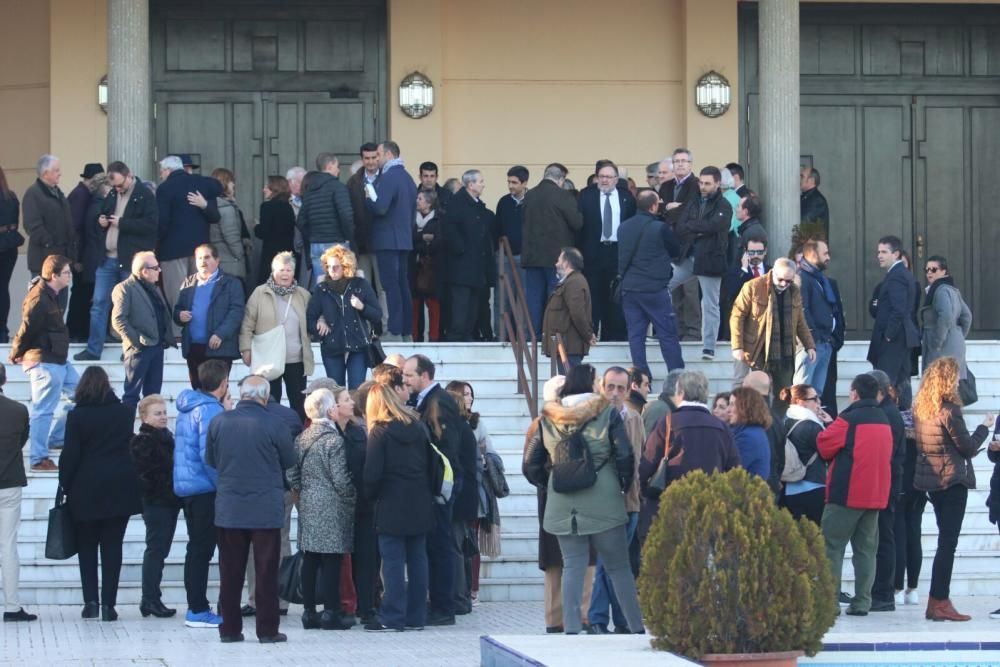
[
  {"x": 130, "y": 128},
  {"x": 779, "y": 119}
]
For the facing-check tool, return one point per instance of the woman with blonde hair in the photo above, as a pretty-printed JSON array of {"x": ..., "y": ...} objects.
[
  {"x": 398, "y": 480},
  {"x": 230, "y": 236},
  {"x": 944, "y": 469},
  {"x": 342, "y": 310}
]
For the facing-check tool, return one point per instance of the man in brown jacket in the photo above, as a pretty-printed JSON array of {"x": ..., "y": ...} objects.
[
  {"x": 568, "y": 313},
  {"x": 766, "y": 319}
]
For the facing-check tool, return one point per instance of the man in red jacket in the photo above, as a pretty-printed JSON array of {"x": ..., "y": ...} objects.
[{"x": 858, "y": 446}]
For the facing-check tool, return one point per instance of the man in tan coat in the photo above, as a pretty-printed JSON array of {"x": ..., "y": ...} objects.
[
  {"x": 568, "y": 313},
  {"x": 765, "y": 321}
]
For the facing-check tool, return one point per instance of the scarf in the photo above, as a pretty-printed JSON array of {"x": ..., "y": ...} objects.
[
  {"x": 800, "y": 413},
  {"x": 423, "y": 220},
  {"x": 338, "y": 286},
  {"x": 934, "y": 286},
  {"x": 278, "y": 289},
  {"x": 831, "y": 298},
  {"x": 397, "y": 162},
  {"x": 782, "y": 345}
]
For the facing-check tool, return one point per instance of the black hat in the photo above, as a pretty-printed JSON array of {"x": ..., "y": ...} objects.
[
  {"x": 187, "y": 161},
  {"x": 92, "y": 169}
]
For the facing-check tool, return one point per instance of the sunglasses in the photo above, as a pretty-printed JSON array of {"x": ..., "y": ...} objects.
[
  {"x": 932, "y": 269},
  {"x": 811, "y": 398},
  {"x": 153, "y": 268}
]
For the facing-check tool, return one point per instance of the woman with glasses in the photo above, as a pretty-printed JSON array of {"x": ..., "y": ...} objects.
[
  {"x": 804, "y": 420},
  {"x": 944, "y": 316}
]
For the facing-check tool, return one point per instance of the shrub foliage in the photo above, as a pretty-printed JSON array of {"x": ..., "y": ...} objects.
[{"x": 724, "y": 570}]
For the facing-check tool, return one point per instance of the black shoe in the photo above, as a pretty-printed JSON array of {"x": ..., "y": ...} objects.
[
  {"x": 19, "y": 615},
  {"x": 855, "y": 612},
  {"x": 415, "y": 628},
  {"x": 276, "y": 639},
  {"x": 86, "y": 355},
  {"x": 310, "y": 620},
  {"x": 597, "y": 629},
  {"x": 231, "y": 639},
  {"x": 90, "y": 610},
  {"x": 246, "y": 611},
  {"x": 845, "y": 599},
  {"x": 156, "y": 608},
  {"x": 463, "y": 610},
  {"x": 378, "y": 627},
  {"x": 330, "y": 620},
  {"x": 883, "y": 605},
  {"x": 622, "y": 630},
  {"x": 108, "y": 613},
  {"x": 437, "y": 618},
  {"x": 283, "y": 612},
  {"x": 368, "y": 618},
  {"x": 708, "y": 355},
  {"x": 554, "y": 630}
]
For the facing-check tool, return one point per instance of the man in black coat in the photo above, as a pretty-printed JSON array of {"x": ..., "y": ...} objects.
[
  {"x": 468, "y": 236},
  {"x": 128, "y": 224},
  {"x": 440, "y": 413},
  {"x": 326, "y": 217},
  {"x": 676, "y": 193},
  {"x": 894, "y": 333},
  {"x": 814, "y": 209},
  {"x": 604, "y": 207}
]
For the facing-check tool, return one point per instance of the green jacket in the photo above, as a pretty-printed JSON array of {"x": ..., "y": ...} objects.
[{"x": 654, "y": 411}]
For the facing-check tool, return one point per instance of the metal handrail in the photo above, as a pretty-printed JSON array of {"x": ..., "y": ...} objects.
[{"x": 517, "y": 326}]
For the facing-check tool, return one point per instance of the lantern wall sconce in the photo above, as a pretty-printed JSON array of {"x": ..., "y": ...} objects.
[
  {"x": 712, "y": 94},
  {"x": 102, "y": 93},
  {"x": 416, "y": 95}
]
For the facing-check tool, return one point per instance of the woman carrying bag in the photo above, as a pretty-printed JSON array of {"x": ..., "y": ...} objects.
[{"x": 804, "y": 420}]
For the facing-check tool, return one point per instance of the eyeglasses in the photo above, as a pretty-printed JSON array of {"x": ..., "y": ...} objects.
[
  {"x": 153, "y": 268},
  {"x": 932, "y": 269},
  {"x": 784, "y": 281},
  {"x": 756, "y": 253},
  {"x": 334, "y": 267},
  {"x": 811, "y": 398}
]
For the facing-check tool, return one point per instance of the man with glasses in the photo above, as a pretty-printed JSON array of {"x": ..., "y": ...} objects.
[
  {"x": 127, "y": 224},
  {"x": 141, "y": 317},
  {"x": 766, "y": 341},
  {"x": 678, "y": 187}
]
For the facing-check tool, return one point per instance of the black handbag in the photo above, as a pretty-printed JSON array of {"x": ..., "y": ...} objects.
[
  {"x": 290, "y": 580},
  {"x": 374, "y": 354},
  {"x": 60, "y": 540},
  {"x": 573, "y": 464},
  {"x": 967, "y": 388}
]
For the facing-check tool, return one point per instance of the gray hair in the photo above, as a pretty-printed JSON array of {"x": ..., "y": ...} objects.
[
  {"x": 171, "y": 162},
  {"x": 471, "y": 176},
  {"x": 727, "y": 179},
  {"x": 283, "y": 258},
  {"x": 255, "y": 388},
  {"x": 319, "y": 403},
  {"x": 554, "y": 173},
  {"x": 325, "y": 159},
  {"x": 883, "y": 381},
  {"x": 139, "y": 260},
  {"x": 669, "y": 161},
  {"x": 694, "y": 385},
  {"x": 295, "y": 174},
  {"x": 45, "y": 163},
  {"x": 785, "y": 263},
  {"x": 670, "y": 384}
]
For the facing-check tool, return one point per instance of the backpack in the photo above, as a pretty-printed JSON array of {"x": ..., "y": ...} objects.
[
  {"x": 573, "y": 464},
  {"x": 795, "y": 469}
]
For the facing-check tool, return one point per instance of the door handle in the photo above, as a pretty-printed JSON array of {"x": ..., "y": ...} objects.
[{"x": 920, "y": 246}]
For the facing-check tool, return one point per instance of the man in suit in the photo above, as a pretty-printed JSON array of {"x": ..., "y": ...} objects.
[
  {"x": 736, "y": 169},
  {"x": 894, "y": 333},
  {"x": 603, "y": 208},
  {"x": 128, "y": 223},
  {"x": 468, "y": 235},
  {"x": 676, "y": 192},
  {"x": 363, "y": 221},
  {"x": 814, "y": 209}
]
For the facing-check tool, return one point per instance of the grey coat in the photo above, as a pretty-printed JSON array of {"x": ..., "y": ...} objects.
[
  {"x": 133, "y": 316},
  {"x": 945, "y": 323},
  {"x": 326, "y": 494},
  {"x": 227, "y": 236}
]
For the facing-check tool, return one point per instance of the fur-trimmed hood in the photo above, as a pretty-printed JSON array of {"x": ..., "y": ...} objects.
[{"x": 574, "y": 410}]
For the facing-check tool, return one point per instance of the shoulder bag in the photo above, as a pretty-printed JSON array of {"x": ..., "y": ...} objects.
[
  {"x": 267, "y": 350},
  {"x": 616, "y": 282},
  {"x": 659, "y": 482},
  {"x": 967, "y": 388}
]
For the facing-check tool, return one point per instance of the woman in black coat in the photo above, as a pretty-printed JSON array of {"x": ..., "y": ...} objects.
[
  {"x": 101, "y": 485},
  {"x": 397, "y": 477},
  {"x": 276, "y": 227},
  {"x": 10, "y": 240},
  {"x": 342, "y": 310},
  {"x": 426, "y": 267},
  {"x": 153, "y": 453}
]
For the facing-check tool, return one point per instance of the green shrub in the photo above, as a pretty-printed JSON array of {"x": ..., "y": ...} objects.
[{"x": 724, "y": 570}]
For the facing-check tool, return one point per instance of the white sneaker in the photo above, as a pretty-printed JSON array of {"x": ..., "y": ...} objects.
[
  {"x": 912, "y": 597},
  {"x": 900, "y": 598}
]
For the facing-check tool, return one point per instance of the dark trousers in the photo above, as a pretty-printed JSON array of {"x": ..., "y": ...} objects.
[
  {"x": 404, "y": 572},
  {"x": 894, "y": 359},
  {"x": 78, "y": 315},
  {"x": 8, "y": 260},
  {"x": 464, "y": 310},
  {"x": 161, "y": 522},
  {"x": 392, "y": 268},
  {"x": 295, "y": 382},
  {"x": 949, "y": 509},
  {"x": 199, "y": 515},
  {"x": 441, "y": 560},
  {"x": 643, "y": 308},
  {"x": 809, "y": 504},
  {"x": 234, "y": 550},
  {"x": 572, "y": 361},
  {"x": 108, "y": 535},
  {"x": 607, "y": 316},
  {"x": 484, "y": 315},
  {"x": 909, "y": 551},
  {"x": 364, "y": 562},
  {"x": 539, "y": 282},
  {"x": 782, "y": 372},
  {"x": 196, "y": 357},
  {"x": 330, "y": 564},
  {"x": 462, "y": 566},
  {"x": 143, "y": 373},
  {"x": 350, "y": 367},
  {"x": 883, "y": 588}
]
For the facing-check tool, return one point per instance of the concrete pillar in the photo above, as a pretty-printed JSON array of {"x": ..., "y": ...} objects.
[
  {"x": 130, "y": 110},
  {"x": 779, "y": 119}
]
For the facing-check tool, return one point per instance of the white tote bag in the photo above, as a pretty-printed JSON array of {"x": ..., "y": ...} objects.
[{"x": 267, "y": 350}]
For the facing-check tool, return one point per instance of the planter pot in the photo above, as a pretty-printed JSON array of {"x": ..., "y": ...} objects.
[{"x": 780, "y": 659}]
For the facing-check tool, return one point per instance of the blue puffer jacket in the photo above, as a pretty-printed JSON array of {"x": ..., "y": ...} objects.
[{"x": 192, "y": 476}]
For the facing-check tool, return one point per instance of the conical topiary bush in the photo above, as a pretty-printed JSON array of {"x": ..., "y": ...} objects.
[{"x": 724, "y": 570}]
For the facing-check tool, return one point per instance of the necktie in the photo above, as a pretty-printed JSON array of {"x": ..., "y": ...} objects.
[
  {"x": 606, "y": 228},
  {"x": 756, "y": 272}
]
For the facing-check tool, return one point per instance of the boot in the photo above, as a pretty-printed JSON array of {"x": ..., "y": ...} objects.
[
  {"x": 310, "y": 619},
  {"x": 943, "y": 610}
]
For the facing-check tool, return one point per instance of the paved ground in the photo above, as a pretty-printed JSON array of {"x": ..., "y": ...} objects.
[{"x": 62, "y": 638}]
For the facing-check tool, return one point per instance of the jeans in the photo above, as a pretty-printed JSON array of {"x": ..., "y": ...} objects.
[
  {"x": 809, "y": 504},
  {"x": 10, "y": 565},
  {"x": 404, "y": 573},
  {"x": 711, "y": 286},
  {"x": 813, "y": 373},
  {"x": 641, "y": 308},
  {"x": 392, "y": 268},
  {"x": 295, "y": 382},
  {"x": 48, "y": 383},
  {"x": 143, "y": 373},
  {"x": 108, "y": 275},
  {"x": 909, "y": 551},
  {"x": 441, "y": 560},
  {"x": 108, "y": 535},
  {"x": 316, "y": 251},
  {"x": 859, "y": 527},
  {"x": 312, "y": 563},
  {"x": 234, "y": 549},
  {"x": 353, "y": 365},
  {"x": 604, "y": 590},
  {"x": 161, "y": 522},
  {"x": 612, "y": 549},
  {"x": 199, "y": 514},
  {"x": 539, "y": 283},
  {"x": 949, "y": 510}
]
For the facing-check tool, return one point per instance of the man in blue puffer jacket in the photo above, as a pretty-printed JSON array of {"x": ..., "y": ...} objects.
[{"x": 194, "y": 484}]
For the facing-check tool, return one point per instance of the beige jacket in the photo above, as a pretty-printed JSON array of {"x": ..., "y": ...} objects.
[
  {"x": 636, "y": 433},
  {"x": 261, "y": 317}
]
